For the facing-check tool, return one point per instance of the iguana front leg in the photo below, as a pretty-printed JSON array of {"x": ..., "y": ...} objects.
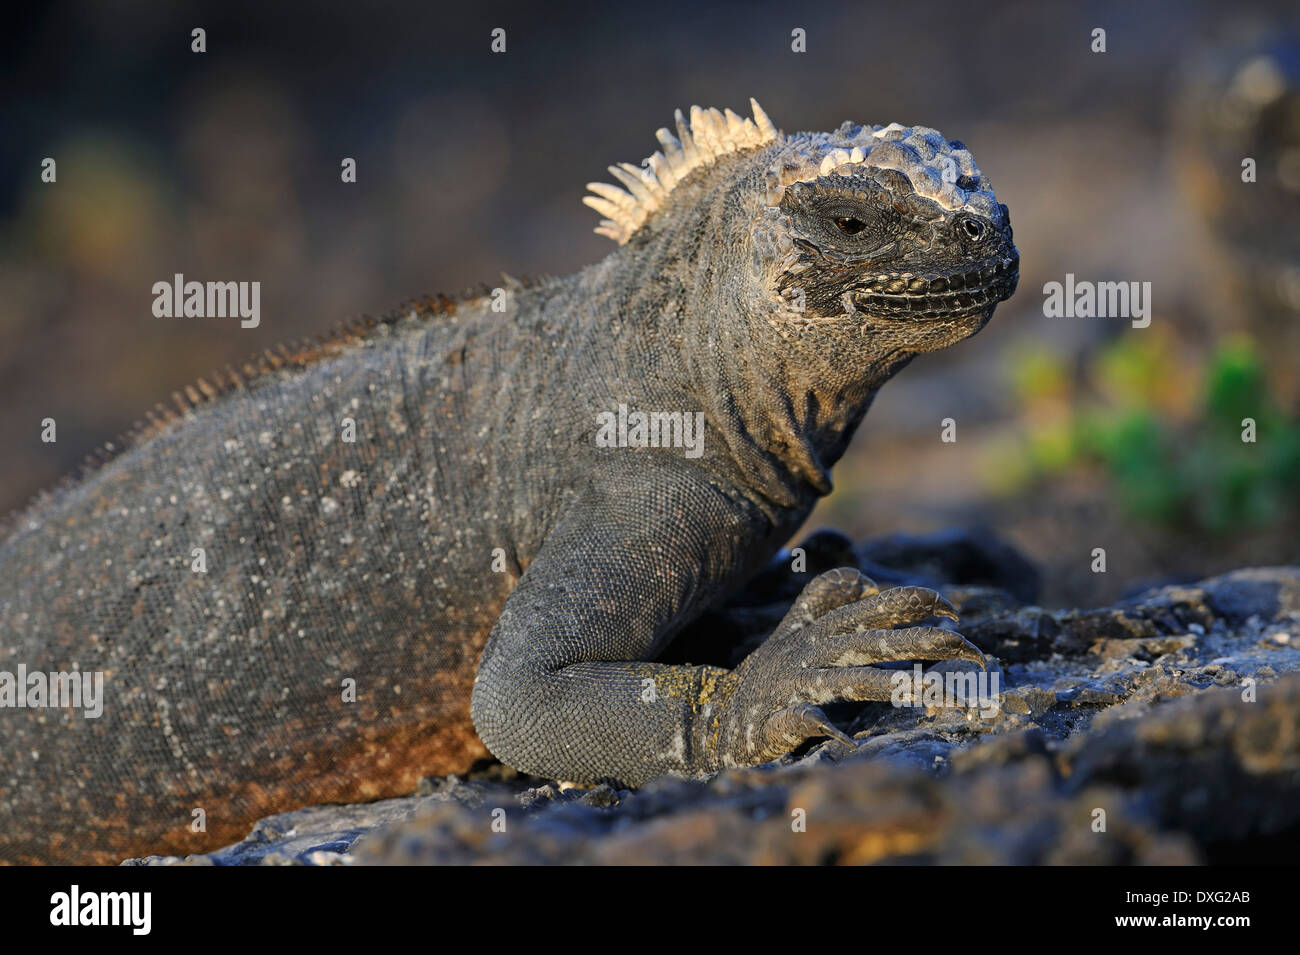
[
  {"x": 824, "y": 650},
  {"x": 565, "y": 688}
]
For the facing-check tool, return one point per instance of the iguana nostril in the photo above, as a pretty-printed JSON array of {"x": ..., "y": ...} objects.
[{"x": 972, "y": 228}]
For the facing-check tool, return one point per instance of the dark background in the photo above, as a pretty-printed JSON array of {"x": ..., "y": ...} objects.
[{"x": 225, "y": 166}]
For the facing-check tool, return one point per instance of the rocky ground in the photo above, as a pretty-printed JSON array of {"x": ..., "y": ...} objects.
[{"x": 1164, "y": 729}]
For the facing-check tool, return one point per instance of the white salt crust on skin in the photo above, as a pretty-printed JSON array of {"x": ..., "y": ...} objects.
[{"x": 920, "y": 153}]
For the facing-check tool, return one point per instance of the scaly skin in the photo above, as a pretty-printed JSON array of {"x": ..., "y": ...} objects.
[{"x": 759, "y": 282}]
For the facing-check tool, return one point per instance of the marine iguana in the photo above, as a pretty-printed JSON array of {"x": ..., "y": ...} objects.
[{"x": 492, "y": 574}]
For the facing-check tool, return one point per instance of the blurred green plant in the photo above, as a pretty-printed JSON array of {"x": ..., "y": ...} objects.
[{"x": 1167, "y": 434}]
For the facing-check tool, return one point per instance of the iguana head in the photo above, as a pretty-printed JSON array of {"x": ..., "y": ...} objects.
[
  {"x": 798, "y": 273},
  {"x": 891, "y": 231}
]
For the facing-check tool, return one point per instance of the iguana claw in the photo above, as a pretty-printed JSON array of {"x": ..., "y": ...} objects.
[
  {"x": 824, "y": 650},
  {"x": 804, "y": 721}
]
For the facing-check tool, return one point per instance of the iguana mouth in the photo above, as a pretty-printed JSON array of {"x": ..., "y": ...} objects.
[{"x": 940, "y": 294}]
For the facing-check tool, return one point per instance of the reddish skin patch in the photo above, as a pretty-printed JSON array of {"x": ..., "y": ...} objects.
[{"x": 389, "y": 764}]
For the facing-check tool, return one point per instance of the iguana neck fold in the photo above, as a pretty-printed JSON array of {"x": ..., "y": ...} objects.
[{"x": 782, "y": 409}]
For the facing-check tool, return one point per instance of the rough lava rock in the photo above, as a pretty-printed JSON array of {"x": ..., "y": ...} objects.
[{"x": 1162, "y": 730}]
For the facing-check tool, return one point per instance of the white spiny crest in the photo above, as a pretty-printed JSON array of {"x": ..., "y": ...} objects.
[{"x": 709, "y": 134}]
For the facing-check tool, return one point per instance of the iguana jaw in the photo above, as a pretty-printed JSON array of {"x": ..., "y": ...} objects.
[{"x": 937, "y": 295}]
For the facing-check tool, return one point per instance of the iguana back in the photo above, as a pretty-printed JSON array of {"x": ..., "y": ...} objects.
[{"x": 344, "y": 537}]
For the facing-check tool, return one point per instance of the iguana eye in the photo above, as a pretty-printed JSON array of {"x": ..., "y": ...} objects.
[
  {"x": 973, "y": 229},
  {"x": 849, "y": 225}
]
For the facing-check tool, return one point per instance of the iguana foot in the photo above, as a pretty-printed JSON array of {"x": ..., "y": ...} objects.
[{"x": 823, "y": 650}]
